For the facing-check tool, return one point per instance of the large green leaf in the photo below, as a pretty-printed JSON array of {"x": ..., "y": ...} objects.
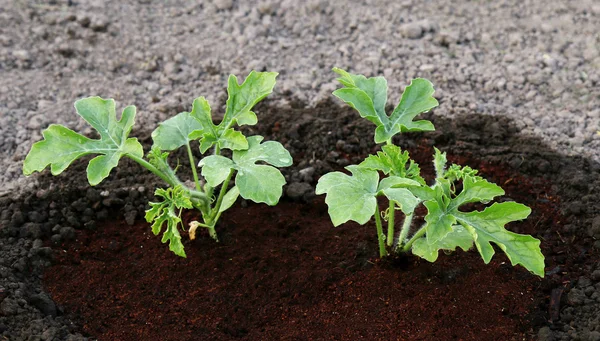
[
  {"x": 164, "y": 212},
  {"x": 458, "y": 237},
  {"x": 61, "y": 146},
  {"x": 487, "y": 227},
  {"x": 256, "y": 182},
  {"x": 350, "y": 197},
  {"x": 369, "y": 95},
  {"x": 173, "y": 133}
]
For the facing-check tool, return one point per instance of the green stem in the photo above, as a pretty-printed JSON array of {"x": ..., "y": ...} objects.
[
  {"x": 391, "y": 218},
  {"x": 215, "y": 211},
  {"x": 416, "y": 236},
  {"x": 405, "y": 229},
  {"x": 170, "y": 180},
  {"x": 193, "y": 165},
  {"x": 380, "y": 235}
]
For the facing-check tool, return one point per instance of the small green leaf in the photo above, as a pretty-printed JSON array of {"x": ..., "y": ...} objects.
[
  {"x": 215, "y": 169},
  {"x": 243, "y": 97},
  {"x": 350, "y": 197},
  {"x": 404, "y": 198},
  {"x": 164, "y": 212},
  {"x": 174, "y": 132},
  {"x": 61, "y": 146},
  {"x": 439, "y": 163},
  {"x": 209, "y": 134},
  {"x": 367, "y": 95},
  {"x": 396, "y": 182},
  {"x": 487, "y": 227},
  {"x": 229, "y": 198},
  {"x": 261, "y": 183},
  {"x": 439, "y": 222},
  {"x": 256, "y": 182},
  {"x": 458, "y": 237},
  {"x": 392, "y": 160},
  {"x": 417, "y": 98},
  {"x": 476, "y": 190}
]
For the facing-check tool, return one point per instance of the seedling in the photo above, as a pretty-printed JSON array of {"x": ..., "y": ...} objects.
[
  {"x": 447, "y": 223},
  {"x": 261, "y": 183}
]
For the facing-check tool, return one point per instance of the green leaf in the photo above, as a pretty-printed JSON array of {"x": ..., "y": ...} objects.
[
  {"x": 215, "y": 169},
  {"x": 458, "y": 237},
  {"x": 210, "y": 134},
  {"x": 396, "y": 182},
  {"x": 173, "y": 133},
  {"x": 256, "y": 182},
  {"x": 392, "y": 160},
  {"x": 439, "y": 221},
  {"x": 229, "y": 198},
  {"x": 243, "y": 97},
  {"x": 439, "y": 163},
  {"x": 350, "y": 197},
  {"x": 417, "y": 98},
  {"x": 476, "y": 190},
  {"x": 261, "y": 183},
  {"x": 404, "y": 198},
  {"x": 164, "y": 212},
  {"x": 487, "y": 227},
  {"x": 369, "y": 95},
  {"x": 61, "y": 146}
]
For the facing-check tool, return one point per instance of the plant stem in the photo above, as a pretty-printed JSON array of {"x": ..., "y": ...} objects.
[
  {"x": 391, "y": 217},
  {"x": 215, "y": 211},
  {"x": 193, "y": 165},
  {"x": 405, "y": 229},
  {"x": 416, "y": 236},
  {"x": 380, "y": 235},
  {"x": 170, "y": 180}
]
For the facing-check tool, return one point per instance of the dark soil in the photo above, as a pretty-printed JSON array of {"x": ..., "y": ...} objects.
[{"x": 286, "y": 273}]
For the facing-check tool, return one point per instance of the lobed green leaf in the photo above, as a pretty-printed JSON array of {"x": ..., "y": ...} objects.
[
  {"x": 256, "y": 182},
  {"x": 61, "y": 146},
  {"x": 350, "y": 197}
]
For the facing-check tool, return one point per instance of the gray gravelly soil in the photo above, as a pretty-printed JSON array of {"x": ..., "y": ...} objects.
[{"x": 536, "y": 62}]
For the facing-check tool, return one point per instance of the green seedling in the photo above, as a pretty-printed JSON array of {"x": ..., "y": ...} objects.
[
  {"x": 448, "y": 223},
  {"x": 251, "y": 166}
]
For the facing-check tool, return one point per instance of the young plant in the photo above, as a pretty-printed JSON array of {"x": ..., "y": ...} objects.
[
  {"x": 257, "y": 182},
  {"x": 448, "y": 223}
]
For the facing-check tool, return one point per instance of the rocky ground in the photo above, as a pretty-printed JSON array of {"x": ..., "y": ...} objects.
[{"x": 536, "y": 62}]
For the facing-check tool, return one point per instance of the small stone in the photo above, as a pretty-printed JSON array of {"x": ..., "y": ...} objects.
[
  {"x": 594, "y": 336},
  {"x": 545, "y": 334},
  {"x": 9, "y": 307},
  {"x": 307, "y": 174},
  {"x": 576, "y": 297},
  {"x": 67, "y": 233},
  {"x": 412, "y": 30},
  {"x": 223, "y": 4},
  {"x": 44, "y": 304},
  {"x": 297, "y": 190},
  {"x": 596, "y": 275},
  {"x": 130, "y": 217},
  {"x": 99, "y": 23},
  {"x": 594, "y": 229},
  {"x": 22, "y": 55}
]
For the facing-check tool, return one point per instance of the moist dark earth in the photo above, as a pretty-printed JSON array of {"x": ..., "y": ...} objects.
[
  {"x": 304, "y": 279},
  {"x": 519, "y": 99}
]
